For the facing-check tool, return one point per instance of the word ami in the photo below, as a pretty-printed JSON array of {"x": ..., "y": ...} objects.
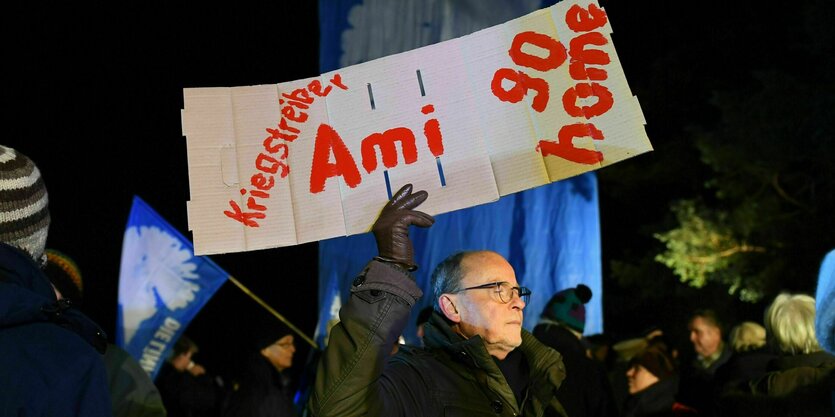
[
  {"x": 328, "y": 142},
  {"x": 579, "y": 20},
  {"x": 272, "y": 161}
]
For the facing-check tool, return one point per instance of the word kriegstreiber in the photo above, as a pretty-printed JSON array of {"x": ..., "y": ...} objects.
[{"x": 274, "y": 157}]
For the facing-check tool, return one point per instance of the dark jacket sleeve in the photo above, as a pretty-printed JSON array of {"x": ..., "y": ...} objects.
[
  {"x": 132, "y": 392},
  {"x": 349, "y": 377}
]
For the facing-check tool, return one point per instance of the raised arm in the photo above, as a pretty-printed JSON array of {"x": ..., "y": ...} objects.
[{"x": 348, "y": 380}]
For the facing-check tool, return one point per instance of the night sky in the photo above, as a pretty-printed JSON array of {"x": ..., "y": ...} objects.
[
  {"x": 96, "y": 104},
  {"x": 95, "y": 101}
]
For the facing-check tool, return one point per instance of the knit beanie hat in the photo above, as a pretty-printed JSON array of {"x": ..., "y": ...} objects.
[
  {"x": 567, "y": 307},
  {"x": 656, "y": 361},
  {"x": 64, "y": 274},
  {"x": 268, "y": 329},
  {"x": 24, "y": 217}
]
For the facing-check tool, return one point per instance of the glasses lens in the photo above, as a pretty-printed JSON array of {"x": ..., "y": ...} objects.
[
  {"x": 525, "y": 294},
  {"x": 506, "y": 292}
]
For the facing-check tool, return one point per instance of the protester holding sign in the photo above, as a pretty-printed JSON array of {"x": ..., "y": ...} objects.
[{"x": 477, "y": 360}]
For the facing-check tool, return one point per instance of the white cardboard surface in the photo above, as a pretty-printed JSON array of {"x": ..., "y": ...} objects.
[{"x": 254, "y": 146}]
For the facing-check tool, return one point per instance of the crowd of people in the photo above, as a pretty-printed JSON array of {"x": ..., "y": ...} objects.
[{"x": 475, "y": 358}]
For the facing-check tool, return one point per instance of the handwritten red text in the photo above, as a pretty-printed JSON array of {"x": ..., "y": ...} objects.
[
  {"x": 328, "y": 142},
  {"x": 582, "y": 54},
  {"x": 272, "y": 161}
]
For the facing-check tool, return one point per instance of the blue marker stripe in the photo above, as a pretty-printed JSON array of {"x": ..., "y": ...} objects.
[
  {"x": 371, "y": 97},
  {"x": 420, "y": 81},
  {"x": 440, "y": 172},
  {"x": 388, "y": 184}
]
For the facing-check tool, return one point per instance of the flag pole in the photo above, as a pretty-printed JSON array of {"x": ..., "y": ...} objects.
[{"x": 272, "y": 310}]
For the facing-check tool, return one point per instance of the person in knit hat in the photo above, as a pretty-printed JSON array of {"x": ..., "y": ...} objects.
[
  {"x": 264, "y": 389},
  {"x": 132, "y": 392},
  {"x": 653, "y": 385},
  {"x": 65, "y": 276},
  {"x": 568, "y": 308},
  {"x": 586, "y": 390},
  {"x": 648, "y": 367},
  {"x": 50, "y": 353},
  {"x": 24, "y": 216}
]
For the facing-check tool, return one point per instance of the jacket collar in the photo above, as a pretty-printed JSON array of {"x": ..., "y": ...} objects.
[
  {"x": 546, "y": 367},
  {"x": 18, "y": 268},
  {"x": 27, "y": 297},
  {"x": 471, "y": 352},
  {"x": 814, "y": 359}
]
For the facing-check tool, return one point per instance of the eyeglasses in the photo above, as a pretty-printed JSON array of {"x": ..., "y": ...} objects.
[{"x": 504, "y": 290}]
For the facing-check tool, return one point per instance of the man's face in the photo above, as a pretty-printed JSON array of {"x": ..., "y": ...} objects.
[
  {"x": 704, "y": 336},
  {"x": 181, "y": 361},
  {"x": 481, "y": 311},
  {"x": 280, "y": 353}
]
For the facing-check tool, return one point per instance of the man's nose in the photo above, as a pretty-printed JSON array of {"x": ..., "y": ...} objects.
[{"x": 517, "y": 301}]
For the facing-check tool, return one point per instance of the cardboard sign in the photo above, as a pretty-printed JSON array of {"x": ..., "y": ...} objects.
[{"x": 515, "y": 106}]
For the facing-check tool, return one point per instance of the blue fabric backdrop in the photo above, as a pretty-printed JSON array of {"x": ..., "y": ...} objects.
[
  {"x": 551, "y": 234},
  {"x": 825, "y": 308}
]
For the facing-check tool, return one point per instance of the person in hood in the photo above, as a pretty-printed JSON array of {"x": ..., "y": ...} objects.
[{"x": 50, "y": 353}]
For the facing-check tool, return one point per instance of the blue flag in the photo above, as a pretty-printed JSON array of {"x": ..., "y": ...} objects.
[{"x": 162, "y": 286}]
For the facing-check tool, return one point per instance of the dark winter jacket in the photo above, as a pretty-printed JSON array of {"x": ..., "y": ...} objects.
[
  {"x": 451, "y": 376},
  {"x": 49, "y": 362},
  {"x": 790, "y": 373},
  {"x": 798, "y": 386},
  {"x": 132, "y": 392},
  {"x": 586, "y": 390},
  {"x": 742, "y": 368},
  {"x": 186, "y": 395},
  {"x": 697, "y": 388},
  {"x": 263, "y": 392}
]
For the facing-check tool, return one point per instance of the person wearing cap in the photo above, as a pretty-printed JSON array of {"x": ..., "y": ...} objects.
[
  {"x": 264, "y": 386},
  {"x": 50, "y": 353},
  {"x": 477, "y": 359},
  {"x": 653, "y": 384},
  {"x": 586, "y": 390},
  {"x": 132, "y": 392}
]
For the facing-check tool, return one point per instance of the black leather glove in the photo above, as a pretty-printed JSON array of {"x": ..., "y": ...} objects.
[{"x": 391, "y": 230}]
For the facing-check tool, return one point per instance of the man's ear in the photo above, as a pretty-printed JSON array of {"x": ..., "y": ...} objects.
[{"x": 449, "y": 309}]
